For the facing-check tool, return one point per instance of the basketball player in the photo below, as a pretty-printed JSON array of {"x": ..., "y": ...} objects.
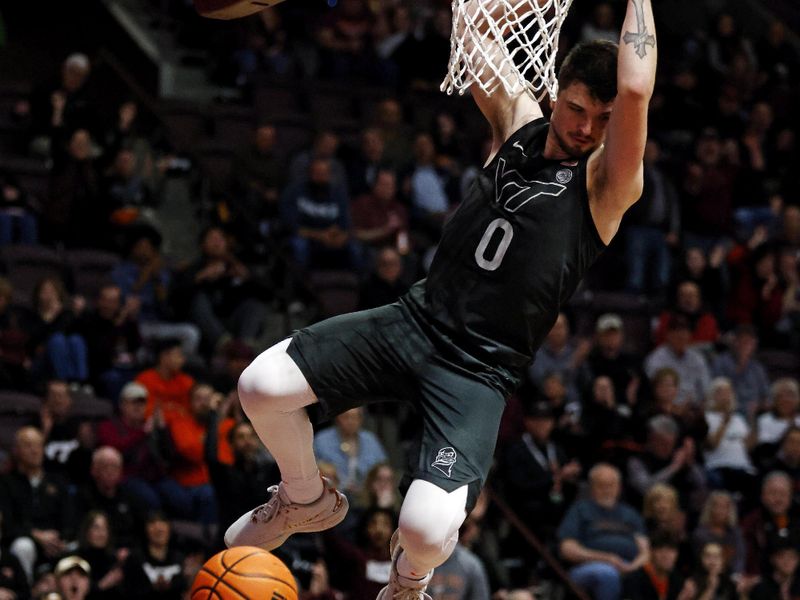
[{"x": 546, "y": 204}]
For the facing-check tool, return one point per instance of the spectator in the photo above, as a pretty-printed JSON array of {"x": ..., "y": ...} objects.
[
  {"x": 352, "y": 450},
  {"x": 689, "y": 303},
  {"x": 121, "y": 510},
  {"x": 318, "y": 215},
  {"x": 396, "y": 134},
  {"x": 14, "y": 357},
  {"x": 166, "y": 384},
  {"x": 63, "y": 432},
  {"x": 13, "y": 581},
  {"x": 654, "y": 226},
  {"x": 145, "y": 278},
  {"x": 461, "y": 577},
  {"x": 427, "y": 188},
  {"x": 662, "y": 512},
  {"x": 776, "y": 54},
  {"x": 188, "y": 491},
  {"x": 157, "y": 571},
  {"x": 756, "y": 296},
  {"x": 55, "y": 344},
  {"x": 74, "y": 213},
  {"x": 602, "y": 537},
  {"x": 719, "y": 524},
  {"x": 128, "y": 193},
  {"x": 787, "y": 329},
  {"x": 380, "y": 488},
  {"x": 608, "y": 358},
  {"x": 707, "y": 193},
  {"x": 782, "y": 581},
  {"x": 787, "y": 459},
  {"x": 726, "y": 43},
  {"x": 540, "y": 478},
  {"x": 73, "y": 578},
  {"x": 687, "y": 362},
  {"x": 18, "y": 221},
  {"x": 378, "y": 218},
  {"x": 706, "y": 272},
  {"x": 248, "y": 478},
  {"x": 560, "y": 354},
  {"x": 112, "y": 337},
  {"x": 140, "y": 442},
  {"x": 783, "y": 405},
  {"x": 766, "y": 526},
  {"x": 744, "y": 370},
  {"x": 729, "y": 441},
  {"x": 323, "y": 149},
  {"x": 344, "y": 39},
  {"x": 222, "y": 293},
  {"x": 225, "y": 377},
  {"x": 258, "y": 176},
  {"x": 63, "y": 106},
  {"x": 385, "y": 284},
  {"x": 663, "y": 461},
  {"x": 363, "y": 567},
  {"x": 606, "y": 426},
  {"x": 602, "y": 25},
  {"x": 690, "y": 417},
  {"x": 39, "y": 508},
  {"x": 96, "y": 547},
  {"x": 658, "y": 579},
  {"x": 712, "y": 579},
  {"x": 364, "y": 168}
]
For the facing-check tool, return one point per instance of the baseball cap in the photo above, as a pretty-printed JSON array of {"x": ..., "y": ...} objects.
[
  {"x": 133, "y": 390},
  {"x": 609, "y": 321},
  {"x": 68, "y": 563}
]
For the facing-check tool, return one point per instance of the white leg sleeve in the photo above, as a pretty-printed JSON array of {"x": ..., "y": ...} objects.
[
  {"x": 24, "y": 548},
  {"x": 429, "y": 521},
  {"x": 273, "y": 393}
]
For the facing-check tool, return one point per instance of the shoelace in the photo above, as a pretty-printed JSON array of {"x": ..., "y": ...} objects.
[
  {"x": 267, "y": 512},
  {"x": 409, "y": 594}
]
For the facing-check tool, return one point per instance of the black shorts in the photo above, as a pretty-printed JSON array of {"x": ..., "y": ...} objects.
[{"x": 383, "y": 353}]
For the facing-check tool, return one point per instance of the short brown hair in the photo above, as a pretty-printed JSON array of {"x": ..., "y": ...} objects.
[{"x": 595, "y": 65}]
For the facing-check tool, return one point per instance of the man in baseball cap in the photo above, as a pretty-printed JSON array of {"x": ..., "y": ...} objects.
[{"x": 72, "y": 578}]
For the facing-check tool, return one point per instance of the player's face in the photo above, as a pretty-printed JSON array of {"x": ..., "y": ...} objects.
[{"x": 579, "y": 120}]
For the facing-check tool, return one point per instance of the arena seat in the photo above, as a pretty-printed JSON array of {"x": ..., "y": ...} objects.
[
  {"x": 19, "y": 404},
  {"x": 90, "y": 270},
  {"x": 780, "y": 363},
  {"x": 336, "y": 291},
  {"x": 25, "y": 265}
]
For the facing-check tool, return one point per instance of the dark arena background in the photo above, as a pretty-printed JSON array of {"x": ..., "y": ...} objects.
[{"x": 160, "y": 176}]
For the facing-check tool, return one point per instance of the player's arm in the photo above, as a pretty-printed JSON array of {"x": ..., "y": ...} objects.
[
  {"x": 504, "y": 113},
  {"x": 616, "y": 170}
]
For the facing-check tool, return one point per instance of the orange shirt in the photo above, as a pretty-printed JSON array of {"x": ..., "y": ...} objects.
[
  {"x": 189, "y": 436},
  {"x": 171, "y": 394}
]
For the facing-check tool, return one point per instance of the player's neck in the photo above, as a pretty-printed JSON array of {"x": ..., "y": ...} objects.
[{"x": 553, "y": 149}]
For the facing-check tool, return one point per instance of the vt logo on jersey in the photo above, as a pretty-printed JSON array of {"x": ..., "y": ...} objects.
[
  {"x": 514, "y": 191},
  {"x": 445, "y": 459}
]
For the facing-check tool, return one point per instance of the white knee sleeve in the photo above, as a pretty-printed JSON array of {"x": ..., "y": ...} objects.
[
  {"x": 429, "y": 522},
  {"x": 274, "y": 383}
]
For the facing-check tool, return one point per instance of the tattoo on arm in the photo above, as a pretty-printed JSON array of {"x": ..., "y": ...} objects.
[{"x": 641, "y": 39}]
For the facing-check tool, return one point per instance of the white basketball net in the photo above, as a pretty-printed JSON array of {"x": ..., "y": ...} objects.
[{"x": 508, "y": 43}]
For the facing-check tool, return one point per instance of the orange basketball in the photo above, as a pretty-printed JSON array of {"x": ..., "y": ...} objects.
[{"x": 244, "y": 573}]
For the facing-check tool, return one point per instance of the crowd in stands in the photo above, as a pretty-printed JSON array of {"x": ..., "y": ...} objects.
[{"x": 658, "y": 463}]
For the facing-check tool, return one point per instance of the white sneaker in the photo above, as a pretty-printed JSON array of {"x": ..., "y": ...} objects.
[
  {"x": 401, "y": 588},
  {"x": 268, "y": 525}
]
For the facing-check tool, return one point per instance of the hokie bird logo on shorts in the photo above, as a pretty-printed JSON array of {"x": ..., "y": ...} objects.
[{"x": 445, "y": 459}]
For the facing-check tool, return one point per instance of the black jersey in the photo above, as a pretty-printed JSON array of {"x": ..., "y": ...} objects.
[{"x": 510, "y": 256}]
